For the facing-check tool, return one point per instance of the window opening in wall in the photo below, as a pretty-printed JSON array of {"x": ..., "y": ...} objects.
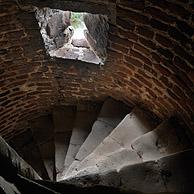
[{"x": 74, "y": 35}]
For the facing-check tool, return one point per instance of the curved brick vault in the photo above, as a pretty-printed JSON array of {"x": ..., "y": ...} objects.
[{"x": 150, "y": 62}]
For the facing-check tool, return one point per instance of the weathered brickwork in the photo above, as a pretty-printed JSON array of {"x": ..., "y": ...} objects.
[{"x": 150, "y": 63}]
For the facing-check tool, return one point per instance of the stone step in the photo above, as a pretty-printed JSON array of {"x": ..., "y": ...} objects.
[
  {"x": 166, "y": 139},
  {"x": 110, "y": 116},
  {"x": 171, "y": 174},
  {"x": 43, "y": 134},
  {"x": 82, "y": 127},
  {"x": 63, "y": 118},
  {"x": 132, "y": 126},
  {"x": 113, "y": 161},
  {"x": 76, "y": 53}
]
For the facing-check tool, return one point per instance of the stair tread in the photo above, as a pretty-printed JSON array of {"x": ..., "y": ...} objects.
[
  {"x": 111, "y": 114},
  {"x": 133, "y": 125},
  {"x": 102, "y": 126},
  {"x": 162, "y": 141},
  {"x": 173, "y": 173},
  {"x": 113, "y": 161},
  {"x": 82, "y": 128}
]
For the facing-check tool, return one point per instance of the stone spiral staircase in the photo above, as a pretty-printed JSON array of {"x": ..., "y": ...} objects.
[{"x": 110, "y": 148}]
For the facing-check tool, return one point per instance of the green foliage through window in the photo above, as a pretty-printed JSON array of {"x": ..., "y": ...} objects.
[{"x": 77, "y": 20}]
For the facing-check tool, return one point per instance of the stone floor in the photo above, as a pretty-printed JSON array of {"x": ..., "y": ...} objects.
[{"x": 76, "y": 53}]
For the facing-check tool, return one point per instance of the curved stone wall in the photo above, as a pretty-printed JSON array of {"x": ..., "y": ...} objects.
[{"x": 150, "y": 62}]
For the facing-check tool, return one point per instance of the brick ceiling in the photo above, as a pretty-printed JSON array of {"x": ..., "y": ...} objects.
[{"x": 150, "y": 62}]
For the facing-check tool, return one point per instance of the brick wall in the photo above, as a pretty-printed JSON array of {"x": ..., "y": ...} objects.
[{"x": 150, "y": 63}]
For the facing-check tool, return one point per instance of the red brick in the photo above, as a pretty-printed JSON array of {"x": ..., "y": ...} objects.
[
  {"x": 143, "y": 80},
  {"x": 185, "y": 28},
  {"x": 119, "y": 48},
  {"x": 191, "y": 75},
  {"x": 172, "y": 95},
  {"x": 178, "y": 91},
  {"x": 133, "y": 61},
  {"x": 165, "y": 52},
  {"x": 128, "y": 35},
  {"x": 151, "y": 93},
  {"x": 134, "y": 16},
  {"x": 162, "y": 70},
  {"x": 149, "y": 69},
  {"x": 131, "y": 66},
  {"x": 126, "y": 70},
  {"x": 122, "y": 41},
  {"x": 144, "y": 74},
  {"x": 145, "y": 31},
  {"x": 181, "y": 64},
  {"x": 177, "y": 80},
  {"x": 114, "y": 55},
  {"x": 184, "y": 54},
  {"x": 178, "y": 36},
  {"x": 159, "y": 25},
  {"x": 136, "y": 5},
  {"x": 141, "y": 57},
  {"x": 125, "y": 24},
  {"x": 141, "y": 49},
  {"x": 173, "y": 8},
  {"x": 166, "y": 42},
  {"x": 157, "y": 13},
  {"x": 166, "y": 88},
  {"x": 136, "y": 82},
  {"x": 165, "y": 81}
]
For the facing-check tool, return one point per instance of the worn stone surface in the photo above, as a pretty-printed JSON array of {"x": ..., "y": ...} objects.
[
  {"x": 76, "y": 53},
  {"x": 82, "y": 127},
  {"x": 97, "y": 34},
  {"x": 112, "y": 161},
  {"x": 53, "y": 24},
  {"x": 166, "y": 139},
  {"x": 80, "y": 43},
  {"x": 111, "y": 114},
  {"x": 169, "y": 174},
  {"x": 132, "y": 126},
  {"x": 116, "y": 152}
]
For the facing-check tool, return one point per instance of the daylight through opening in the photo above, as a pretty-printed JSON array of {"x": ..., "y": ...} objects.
[{"x": 74, "y": 35}]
